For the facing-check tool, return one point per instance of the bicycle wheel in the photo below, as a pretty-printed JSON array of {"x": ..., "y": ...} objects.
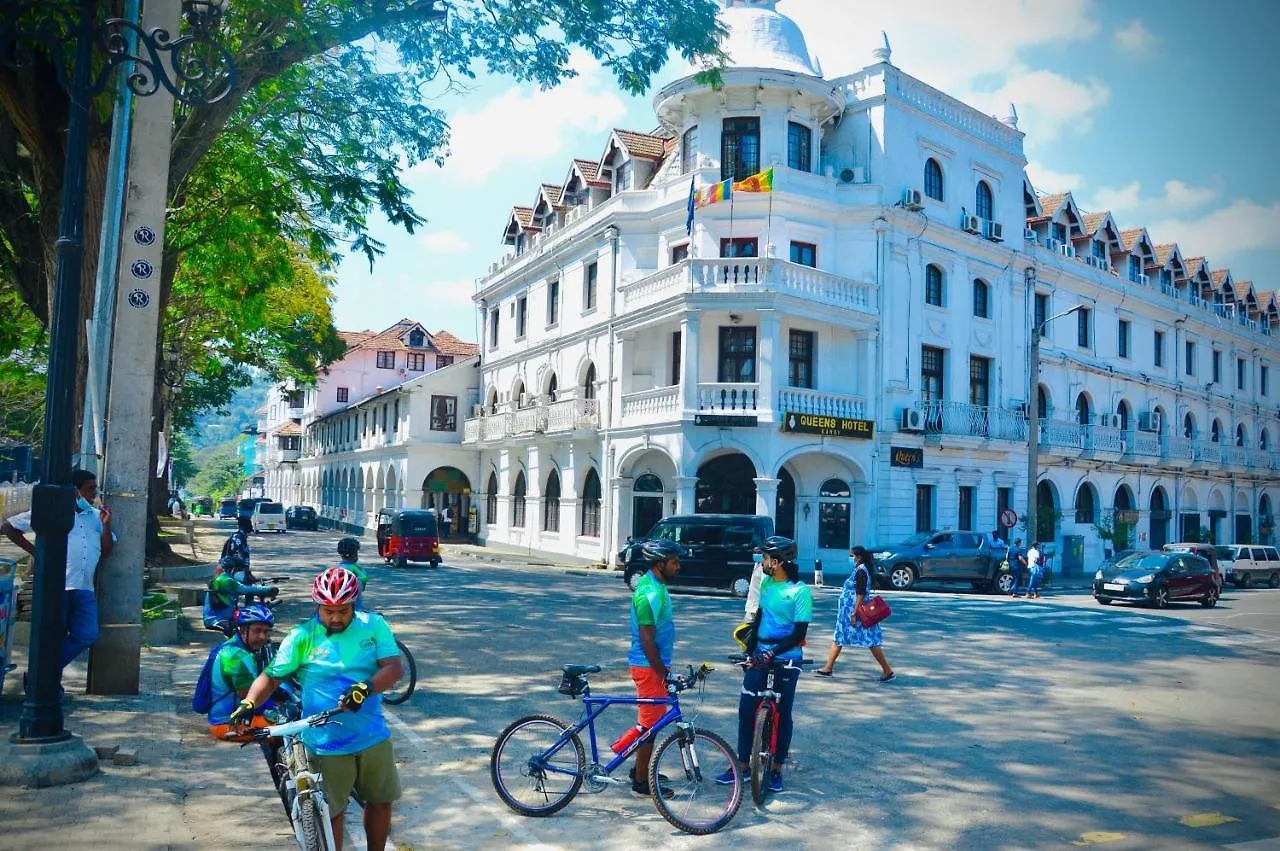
[
  {"x": 403, "y": 690},
  {"x": 313, "y": 837},
  {"x": 522, "y": 762},
  {"x": 692, "y": 760},
  {"x": 761, "y": 757}
]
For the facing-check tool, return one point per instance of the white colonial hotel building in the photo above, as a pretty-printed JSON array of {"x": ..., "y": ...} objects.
[{"x": 629, "y": 371}]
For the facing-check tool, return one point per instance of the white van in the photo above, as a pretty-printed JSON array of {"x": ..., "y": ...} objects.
[
  {"x": 1250, "y": 564},
  {"x": 268, "y": 517}
]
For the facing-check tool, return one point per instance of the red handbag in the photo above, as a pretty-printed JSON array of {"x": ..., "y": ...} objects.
[{"x": 873, "y": 610}]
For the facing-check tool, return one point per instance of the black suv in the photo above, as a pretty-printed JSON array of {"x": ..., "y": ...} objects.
[
  {"x": 301, "y": 517},
  {"x": 972, "y": 557},
  {"x": 718, "y": 549}
]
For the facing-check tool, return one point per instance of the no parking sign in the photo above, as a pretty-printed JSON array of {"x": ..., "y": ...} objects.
[{"x": 1008, "y": 518}]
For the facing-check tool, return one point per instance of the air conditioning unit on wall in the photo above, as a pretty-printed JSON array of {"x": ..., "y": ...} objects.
[
  {"x": 971, "y": 224},
  {"x": 993, "y": 231},
  {"x": 1109, "y": 420},
  {"x": 912, "y": 420},
  {"x": 912, "y": 199},
  {"x": 1149, "y": 422}
]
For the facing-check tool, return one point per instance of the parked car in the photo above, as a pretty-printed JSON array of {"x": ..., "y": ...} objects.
[
  {"x": 227, "y": 509},
  {"x": 1208, "y": 552},
  {"x": 973, "y": 557},
  {"x": 408, "y": 535},
  {"x": 268, "y": 517},
  {"x": 245, "y": 507},
  {"x": 1159, "y": 579},
  {"x": 301, "y": 517},
  {"x": 1244, "y": 565},
  {"x": 718, "y": 549}
]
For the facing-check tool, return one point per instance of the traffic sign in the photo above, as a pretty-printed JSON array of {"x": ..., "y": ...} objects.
[{"x": 1008, "y": 518}]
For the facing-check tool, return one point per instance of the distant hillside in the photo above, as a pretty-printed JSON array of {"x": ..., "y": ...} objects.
[{"x": 224, "y": 424}]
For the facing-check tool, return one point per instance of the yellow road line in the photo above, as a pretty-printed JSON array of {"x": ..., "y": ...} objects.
[
  {"x": 1097, "y": 837},
  {"x": 1206, "y": 819}
]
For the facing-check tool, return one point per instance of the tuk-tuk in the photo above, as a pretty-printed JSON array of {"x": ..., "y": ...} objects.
[
  {"x": 202, "y": 507},
  {"x": 406, "y": 535}
]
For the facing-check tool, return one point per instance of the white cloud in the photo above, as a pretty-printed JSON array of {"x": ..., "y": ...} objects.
[
  {"x": 1048, "y": 103},
  {"x": 1127, "y": 197},
  {"x": 1048, "y": 180},
  {"x": 527, "y": 125},
  {"x": 1134, "y": 37},
  {"x": 1180, "y": 196},
  {"x": 1177, "y": 197},
  {"x": 1242, "y": 225},
  {"x": 445, "y": 242}
]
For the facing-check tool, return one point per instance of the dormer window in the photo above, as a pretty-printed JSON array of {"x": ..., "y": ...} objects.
[
  {"x": 1100, "y": 250},
  {"x": 1166, "y": 278},
  {"x": 519, "y": 243},
  {"x": 1059, "y": 232},
  {"x": 1135, "y": 268},
  {"x": 622, "y": 177},
  {"x": 417, "y": 339}
]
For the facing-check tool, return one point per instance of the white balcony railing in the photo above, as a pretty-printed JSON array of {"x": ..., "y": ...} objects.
[
  {"x": 738, "y": 275},
  {"x": 290, "y": 455},
  {"x": 528, "y": 420},
  {"x": 656, "y": 405},
  {"x": 573, "y": 414},
  {"x": 1106, "y": 439},
  {"x": 471, "y": 430},
  {"x": 1208, "y": 452},
  {"x": 801, "y": 400},
  {"x": 1178, "y": 449},
  {"x": 963, "y": 419},
  {"x": 495, "y": 426},
  {"x": 566, "y": 415},
  {"x": 1143, "y": 443},
  {"x": 1062, "y": 435},
  {"x": 728, "y": 397},
  {"x": 293, "y": 413}
]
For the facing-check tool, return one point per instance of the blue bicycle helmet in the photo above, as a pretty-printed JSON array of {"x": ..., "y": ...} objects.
[
  {"x": 255, "y": 613},
  {"x": 783, "y": 549},
  {"x": 653, "y": 552}
]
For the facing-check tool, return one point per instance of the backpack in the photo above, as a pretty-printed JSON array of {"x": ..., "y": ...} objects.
[{"x": 202, "y": 699}]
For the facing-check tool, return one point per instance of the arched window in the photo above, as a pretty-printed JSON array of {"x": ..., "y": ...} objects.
[
  {"x": 551, "y": 504},
  {"x": 647, "y": 483},
  {"x": 981, "y": 299},
  {"x": 1085, "y": 511},
  {"x": 1042, "y": 402},
  {"x": 1188, "y": 426},
  {"x": 1264, "y": 439},
  {"x": 833, "y": 515},
  {"x": 1240, "y": 437},
  {"x": 689, "y": 150},
  {"x": 933, "y": 285},
  {"x": 933, "y": 179},
  {"x": 591, "y": 505},
  {"x": 493, "y": 401},
  {"x": 589, "y": 383},
  {"x": 517, "y": 394},
  {"x": 517, "y": 501},
  {"x": 491, "y": 501},
  {"x": 552, "y": 387},
  {"x": 1082, "y": 409},
  {"x": 1215, "y": 431},
  {"x": 1126, "y": 414},
  {"x": 983, "y": 201}
]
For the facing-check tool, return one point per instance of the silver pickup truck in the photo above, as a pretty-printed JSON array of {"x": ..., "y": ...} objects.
[{"x": 1244, "y": 565}]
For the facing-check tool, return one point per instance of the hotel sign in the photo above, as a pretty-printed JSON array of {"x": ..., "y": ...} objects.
[
  {"x": 828, "y": 426},
  {"x": 906, "y": 456},
  {"x": 725, "y": 420}
]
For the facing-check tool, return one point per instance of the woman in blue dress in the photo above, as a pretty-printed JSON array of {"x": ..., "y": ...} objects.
[{"x": 849, "y": 632}]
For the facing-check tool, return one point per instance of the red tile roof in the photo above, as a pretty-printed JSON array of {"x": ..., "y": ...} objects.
[
  {"x": 354, "y": 338},
  {"x": 1218, "y": 276},
  {"x": 644, "y": 145},
  {"x": 1093, "y": 221},
  {"x": 1050, "y": 204},
  {"x": 390, "y": 340},
  {"x": 523, "y": 215},
  {"x": 289, "y": 429},
  {"x": 553, "y": 193},
  {"x": 590, "y": 169},
  {"x": 1131, "y": 237},
  {"x": 1242, "y": 290},
  {"x": 447, "y": 344},
  {"x": 1164, "y": 252}
]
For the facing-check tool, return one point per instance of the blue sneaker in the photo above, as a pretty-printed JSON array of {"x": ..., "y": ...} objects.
[
  {"x": 725, "y": 779},
  {"x": 775, "y": 781}
]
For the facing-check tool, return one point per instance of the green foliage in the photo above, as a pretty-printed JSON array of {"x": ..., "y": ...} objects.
[
  {"x": 1118, "y": 534},
  {"x": 24, "y": 360},
  {"x": 219, "y": 471},
  {"x": 223, "y": 422}
]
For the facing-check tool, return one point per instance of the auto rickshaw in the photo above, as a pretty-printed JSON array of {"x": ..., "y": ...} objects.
[
  {"x": 202, "y": 507},
  {"x": 406, "y": 535}
]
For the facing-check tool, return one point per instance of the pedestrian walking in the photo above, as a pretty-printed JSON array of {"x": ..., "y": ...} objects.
[
  {"x": 1035, "y": 571},
  {"x": 849, "y": 631},
  {"x": 1018, "y": 563}
]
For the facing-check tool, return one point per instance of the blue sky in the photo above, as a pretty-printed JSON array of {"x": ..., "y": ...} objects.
[{"x": 1164, "y": 112}]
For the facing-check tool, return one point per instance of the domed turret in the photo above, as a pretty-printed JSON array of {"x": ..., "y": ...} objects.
[{"x": 760, "y": 37}]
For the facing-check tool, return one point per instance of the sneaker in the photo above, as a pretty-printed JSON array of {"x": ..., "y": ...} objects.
[
  {"x": 662, "y": 778},
  {"x": 821, "y": 673},
  {"x": 643, "y": 789},
  {"x": 888, "y": 678},
  {"x": 775, "y": 781},
  {"x": 725, "y": 779}
]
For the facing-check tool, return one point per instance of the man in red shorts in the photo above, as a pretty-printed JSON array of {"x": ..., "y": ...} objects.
[{"x": 653, "y": 640}]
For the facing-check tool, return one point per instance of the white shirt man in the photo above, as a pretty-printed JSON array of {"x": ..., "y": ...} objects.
[{"x": 89, "y": 540}]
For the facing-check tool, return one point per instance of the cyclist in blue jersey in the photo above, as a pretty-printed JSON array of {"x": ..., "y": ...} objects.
[
  {"x": 778, "y": 633},
  {"x": 653, "y": 641}
]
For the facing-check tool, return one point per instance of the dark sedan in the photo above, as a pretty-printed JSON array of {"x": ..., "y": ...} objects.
[
  {"x": 301, "y": 517},
  {"x": 1158, "y": 579}
]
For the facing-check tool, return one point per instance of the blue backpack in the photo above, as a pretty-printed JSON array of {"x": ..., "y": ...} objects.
[{"x": 203, "y": 699}]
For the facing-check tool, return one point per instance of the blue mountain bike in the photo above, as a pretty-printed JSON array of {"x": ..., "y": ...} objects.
[{"x": 539, "y": 764}]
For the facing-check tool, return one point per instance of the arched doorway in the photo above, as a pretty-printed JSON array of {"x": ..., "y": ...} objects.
[
  {"x": 726, "y": 485},
  {"x": 1158, "y": 525},
  {"x": 646, "y": 504},
  {"x": 1189, "y": 519},
  {"x": 833, "y": 515},
  {"x": 1084, "y": 409},
  {"x": 1243, "y": 521},
  {"x": 590, "y": 509},
  {"x": 1086, "y": 505},
  {"x": 1126, "y": 415},
  {"x": 785, "y": 507},
  {"x": 551, "y": 504},
  {"x": 1124, "y": 518},
  {"x": 1266, "y": 523},
  {"x": 447, "y": 491},
  {"x": 491, "y": 501},
  {"x": 1046, "y": 513}
]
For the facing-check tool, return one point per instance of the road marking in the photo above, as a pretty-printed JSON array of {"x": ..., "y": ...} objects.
[
  {"x": 1098, "y": 837},
  {"x": 1206, "y": 820},
  {"x": 1075, "y": 622},
  {"x": 1272, "y": 844},
  {"x": 1154, "y": 630}
]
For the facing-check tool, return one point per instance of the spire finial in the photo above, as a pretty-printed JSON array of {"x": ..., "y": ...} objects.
[
  {"x": 1012, "y": 118},
  {"x": 883, "y": 53}
]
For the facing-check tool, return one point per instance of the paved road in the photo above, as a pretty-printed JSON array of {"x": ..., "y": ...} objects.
[{"x": 1013, "y": 724}]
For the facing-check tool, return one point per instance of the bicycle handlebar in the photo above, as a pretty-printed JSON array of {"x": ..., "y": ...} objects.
[
  {"x": 290, "y": 728},
  {"x": 744, "y": 661},
  {"x": 686, "y": 682}
]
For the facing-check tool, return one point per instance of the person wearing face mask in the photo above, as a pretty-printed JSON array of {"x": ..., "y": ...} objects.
[
  {"x": 849, "y": 631},
  {"x": 89, "y": 541}
]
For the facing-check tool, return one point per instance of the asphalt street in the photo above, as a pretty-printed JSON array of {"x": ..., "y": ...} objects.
[{"x": 1056, "y": 723}]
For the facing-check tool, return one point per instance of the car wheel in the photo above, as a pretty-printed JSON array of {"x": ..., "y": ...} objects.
[
  {"x": 1238, "y": 582},
  {"x": 902, "y": 577},
  {"x": 1274, "y": 581},
  {"x": 401, "y": 561},
  {"x": 435, "y": 562},
  {"x": 632, "y": 578},
  {"x": 1103, "y": 601},
  {"x": 1160, "y": 597},
  {"x": 739, "y": 586},
  {"x": 1003, "y": 583},
  {"x": 1210, "y": 598},
  {"x": 1245, "y": 581}
]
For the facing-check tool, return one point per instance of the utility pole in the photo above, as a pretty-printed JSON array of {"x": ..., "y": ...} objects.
[{"x": 1033, "y": 412}]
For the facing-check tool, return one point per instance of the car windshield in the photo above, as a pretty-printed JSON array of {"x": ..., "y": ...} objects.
[
  {"x": 270, "y": 508},
  {"x": 916, "y": 540},
  {"x": 1225, "y": 553},
  {"x": 421, "y": 524},
  {"x": 1153, "y": 561},
  {"x": 1127, "y": 560}
]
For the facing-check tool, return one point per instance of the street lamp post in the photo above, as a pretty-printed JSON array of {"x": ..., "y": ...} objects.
[
  {"x": 1033, "y": 420},
  {"x": 196, "y": 70}
]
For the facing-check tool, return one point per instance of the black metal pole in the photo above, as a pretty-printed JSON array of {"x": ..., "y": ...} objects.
[{"x": 52, "y": 510}]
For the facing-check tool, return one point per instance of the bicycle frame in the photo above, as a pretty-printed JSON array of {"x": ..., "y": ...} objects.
[{"x": 593, "y": 708}]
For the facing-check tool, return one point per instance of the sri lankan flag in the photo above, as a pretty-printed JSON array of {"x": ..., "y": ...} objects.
[
  {"x": 715, "y": 193},
  {"x": 760, "y": 182}
]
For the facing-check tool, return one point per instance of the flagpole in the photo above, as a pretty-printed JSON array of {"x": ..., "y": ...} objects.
[{"x": 768, "y": 228}]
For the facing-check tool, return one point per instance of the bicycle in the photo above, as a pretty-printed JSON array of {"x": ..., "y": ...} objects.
[
  {"x": 764, "y": 738},
  {"x": 300, "y": 785},
  {"x": 545, "y": 755},
  {"x": 403, "y": 689}
]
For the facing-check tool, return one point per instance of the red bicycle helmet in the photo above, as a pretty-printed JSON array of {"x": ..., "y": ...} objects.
[{"x": 337, "y": 586}]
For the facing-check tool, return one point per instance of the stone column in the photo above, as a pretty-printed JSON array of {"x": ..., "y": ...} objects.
[
  {"x": 622, "y": 508},
  {"x": 686, "y": 491},
  {"x": 770, "y": 371},
  {"x": 766, "y": 496},
  {"x": 690, "y": 352}
]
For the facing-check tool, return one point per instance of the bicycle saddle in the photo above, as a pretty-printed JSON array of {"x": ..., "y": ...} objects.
[{"x": 579, "y": 670}]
